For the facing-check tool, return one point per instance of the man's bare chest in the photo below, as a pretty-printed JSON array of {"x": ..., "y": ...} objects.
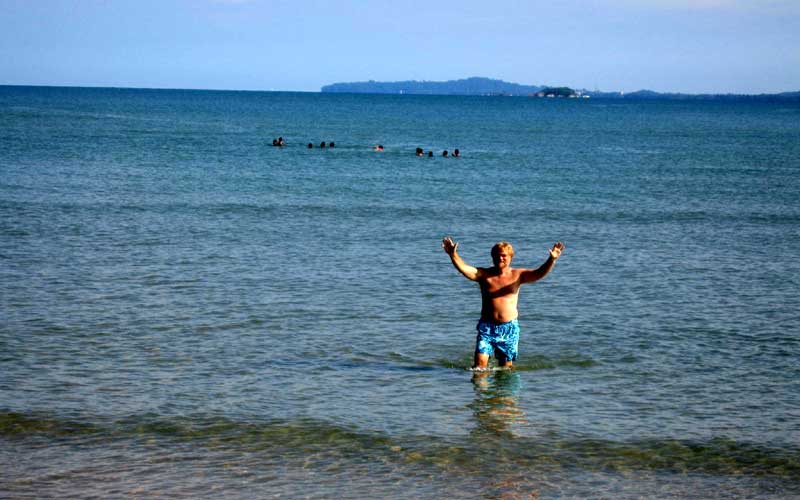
[{"x": 501, "y": 285}]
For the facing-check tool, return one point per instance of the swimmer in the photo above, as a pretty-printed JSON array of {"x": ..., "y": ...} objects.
[
  {"x": 322, "y": 144},
  {"x": 498, "y": 328},
  {"x": 444, "y": 153},
  {"x": 430, "y": 154},
  {"x": 456, "y": 153},
  {"x": 419, "y": 152},
  {"x": 332, "y": 144},
  {"x": 310, "y": 146},
  {"x": 378, "y": 148}
]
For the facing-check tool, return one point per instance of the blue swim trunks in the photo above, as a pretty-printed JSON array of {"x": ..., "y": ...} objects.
[{"x": 499, "y": 339}]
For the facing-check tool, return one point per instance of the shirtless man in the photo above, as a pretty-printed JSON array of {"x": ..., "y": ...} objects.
[{"x": 498, "y": 328}]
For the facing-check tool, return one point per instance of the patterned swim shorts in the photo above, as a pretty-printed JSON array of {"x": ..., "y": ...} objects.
[{"x": 499, "y": 339}]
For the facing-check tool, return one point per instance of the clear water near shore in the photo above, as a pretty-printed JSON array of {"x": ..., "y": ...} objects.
[{"x": 188, "y": 310}]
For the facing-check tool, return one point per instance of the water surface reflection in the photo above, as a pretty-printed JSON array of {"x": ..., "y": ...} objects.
[{"x": 496, "y": 405}]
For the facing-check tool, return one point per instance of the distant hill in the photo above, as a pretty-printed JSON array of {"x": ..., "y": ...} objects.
[
  {"x": 488, "y": 86},
  {"x": 468, "y": 86}
]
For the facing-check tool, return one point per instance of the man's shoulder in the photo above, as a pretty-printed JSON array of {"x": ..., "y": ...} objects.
[
  {"x": 519, "y": 272},
  {"x": 485, "y": 272}
]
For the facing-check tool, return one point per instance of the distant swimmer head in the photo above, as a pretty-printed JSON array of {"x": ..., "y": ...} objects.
[
  {"x": 430, "y": 154},
  {"x": 456, "y": 152},
  {"x": 280, "y": 141},
  {"x": 274, "y": 142},
  {"x": 310, "y": 146},
  {"x": 322, "y": 144},
  {"x": 332, "y": 144},
  {"x": 379, "y": 147},
  {"x": 444, "y": 153},
  {"x": 419, "y": 151}
]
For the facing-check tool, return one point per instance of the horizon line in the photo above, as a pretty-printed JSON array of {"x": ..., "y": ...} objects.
[{"x": 199, "y": 89}]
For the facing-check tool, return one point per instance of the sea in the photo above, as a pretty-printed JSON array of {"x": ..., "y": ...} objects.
[{"x": 187, "y": 311}]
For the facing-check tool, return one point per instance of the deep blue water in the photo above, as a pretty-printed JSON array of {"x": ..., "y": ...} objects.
[{"x": 188, "y": 311}]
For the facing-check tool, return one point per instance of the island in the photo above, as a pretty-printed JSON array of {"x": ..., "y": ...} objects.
[
  {"x": 561, "y": 92},
  {"x": 468, "y": 86},
  {"x": 482, "y": 86}
]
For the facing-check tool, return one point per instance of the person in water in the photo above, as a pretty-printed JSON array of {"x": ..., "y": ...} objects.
[
  {"x": 457, "y": 153},
  {"x": 498, "y": 328},
  {"x": 444, "y": 153}
]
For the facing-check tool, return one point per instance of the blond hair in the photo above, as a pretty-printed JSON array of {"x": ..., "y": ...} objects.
[{"x": 502, "y": 245}]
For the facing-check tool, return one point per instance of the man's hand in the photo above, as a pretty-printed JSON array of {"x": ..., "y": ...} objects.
[
  {"x": 469, "y": 272},
  {"x": 555, "y": 252},
  {"x": 449, "y": 246}
]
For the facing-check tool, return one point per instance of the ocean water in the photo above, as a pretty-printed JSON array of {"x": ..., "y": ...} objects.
[{"x": 187, "y": 311}]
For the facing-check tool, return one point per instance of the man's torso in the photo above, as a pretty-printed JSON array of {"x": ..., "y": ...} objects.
[{"x": 499, "y": 293}]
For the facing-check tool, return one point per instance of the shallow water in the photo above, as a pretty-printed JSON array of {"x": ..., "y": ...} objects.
[{"x": 187, "y": 309}]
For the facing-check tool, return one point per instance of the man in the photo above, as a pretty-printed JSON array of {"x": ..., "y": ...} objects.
[{"x": 498, "y": 328}]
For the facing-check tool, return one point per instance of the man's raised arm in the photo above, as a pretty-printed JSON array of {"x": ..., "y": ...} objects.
[
  {"x": 531, "y": 275},
  {"x": 469, "y": 272}
]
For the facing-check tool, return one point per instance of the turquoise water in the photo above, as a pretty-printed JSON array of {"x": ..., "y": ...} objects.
[{"x": 188, "y": 311}]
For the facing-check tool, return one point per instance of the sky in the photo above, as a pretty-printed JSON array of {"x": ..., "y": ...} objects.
[{"x": 689, "y": 46}]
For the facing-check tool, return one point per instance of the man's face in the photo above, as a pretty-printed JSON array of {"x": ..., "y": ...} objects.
[{"x": 502, "y": 259}]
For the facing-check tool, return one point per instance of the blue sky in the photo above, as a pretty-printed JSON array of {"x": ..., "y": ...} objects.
[{"x": 694, "y": 46}]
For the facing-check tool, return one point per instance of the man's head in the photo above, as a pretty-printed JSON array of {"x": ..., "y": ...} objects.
[{"x": 502, "y": 253}]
